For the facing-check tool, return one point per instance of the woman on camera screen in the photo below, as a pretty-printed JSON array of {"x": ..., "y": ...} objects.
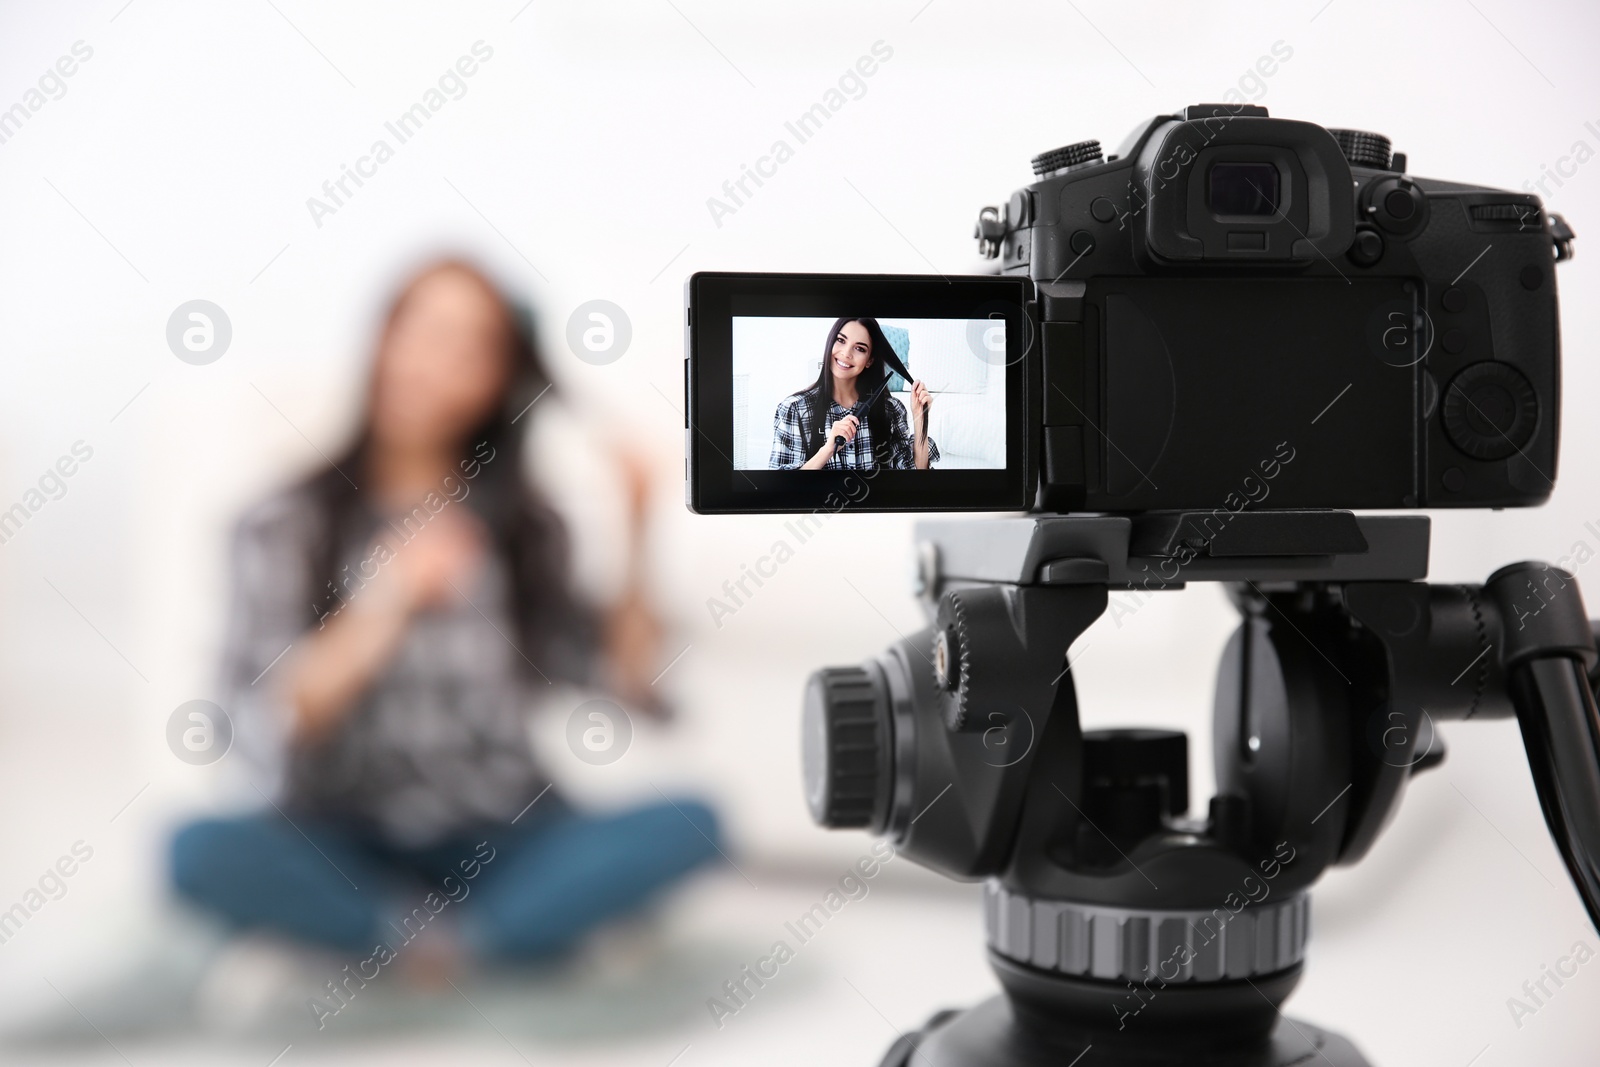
[{"x": 846, "y": 419}]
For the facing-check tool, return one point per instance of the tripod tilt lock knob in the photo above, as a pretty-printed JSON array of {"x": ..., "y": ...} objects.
[
  {"x": 845, "y": 747},
  {"x": 1133, "y": 781}
]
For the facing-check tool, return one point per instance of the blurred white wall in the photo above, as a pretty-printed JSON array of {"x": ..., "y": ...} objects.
[{"x": 176, "y": 163}]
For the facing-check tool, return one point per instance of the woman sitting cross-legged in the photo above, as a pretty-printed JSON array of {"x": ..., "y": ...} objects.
[{"x": 420, "y": 587}]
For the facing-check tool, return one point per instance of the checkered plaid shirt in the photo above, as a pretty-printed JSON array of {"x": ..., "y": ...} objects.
[
  {"x": 439, "y": 740},
  {"x": 790, "y": 448}
]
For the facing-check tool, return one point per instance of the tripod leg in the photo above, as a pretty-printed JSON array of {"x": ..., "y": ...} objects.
[
  {"x": 1561, "y": 731},
  {"x": 1548, "y": 646}
]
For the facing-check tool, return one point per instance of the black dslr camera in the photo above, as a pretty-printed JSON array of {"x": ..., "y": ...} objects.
[
  {"x": 1214, "y": 348},
  {"x": 1229, "y": 281},
  {"x": 1170, "y": 322}
]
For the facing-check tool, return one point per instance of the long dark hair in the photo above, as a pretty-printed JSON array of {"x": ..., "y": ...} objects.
[
  {"x": 526, "y": 533},
  {"x": 869, "y": 388}
]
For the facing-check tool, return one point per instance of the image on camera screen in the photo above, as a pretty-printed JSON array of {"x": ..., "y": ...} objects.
[{"x": 861, "y": 393}]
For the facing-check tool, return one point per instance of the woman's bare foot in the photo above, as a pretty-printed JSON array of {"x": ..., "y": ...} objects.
[{"x": 429, "y": 961}]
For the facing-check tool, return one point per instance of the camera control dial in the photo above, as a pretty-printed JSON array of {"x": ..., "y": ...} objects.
[
  {"x": 1047, "y": 164},
  {"x": 1490, "y": 410},
  {"x": 1363, "y": 149}
]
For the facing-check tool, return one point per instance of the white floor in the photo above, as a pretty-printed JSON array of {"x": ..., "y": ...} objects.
[
  {"x": 881, "y": 963},
  {"x": 1408, "y": 991},
  {"x": 1416, "y": 954}
]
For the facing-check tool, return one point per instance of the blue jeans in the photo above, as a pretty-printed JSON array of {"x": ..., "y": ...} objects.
[{"x": 524, "y": 891}]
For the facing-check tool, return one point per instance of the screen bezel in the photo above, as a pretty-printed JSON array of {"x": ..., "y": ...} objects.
[{"x": 715, "y": 487}]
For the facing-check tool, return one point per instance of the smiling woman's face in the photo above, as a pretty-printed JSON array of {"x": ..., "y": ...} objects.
[
  {"x": 442, "y": 365},
  {"x": 852, "y": 351}
]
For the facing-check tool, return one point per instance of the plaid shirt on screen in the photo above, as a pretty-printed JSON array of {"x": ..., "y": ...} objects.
[{"x": 790, "y": 448}]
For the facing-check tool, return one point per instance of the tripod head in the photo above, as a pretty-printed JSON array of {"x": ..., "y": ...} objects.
[{"x": 1113, "y": 917}]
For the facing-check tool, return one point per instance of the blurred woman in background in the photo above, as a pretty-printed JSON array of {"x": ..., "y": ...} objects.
[{"x": 417, "y": 595}]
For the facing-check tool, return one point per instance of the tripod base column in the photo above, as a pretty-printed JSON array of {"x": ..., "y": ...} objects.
[{"x": 990, "y": 1035}]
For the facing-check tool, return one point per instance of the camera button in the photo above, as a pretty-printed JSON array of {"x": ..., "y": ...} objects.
[
  {"x": 1367, "y": 248},
  {"x": 1102, "y": 209},
  {"x": 1454, "y": 341},
  {"x": 1454, "y": 299},
  {"x": 1397, "y": 205},
  {"x": 1082, "y": 242}
]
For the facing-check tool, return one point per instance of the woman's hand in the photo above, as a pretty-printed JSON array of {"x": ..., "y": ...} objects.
[
  {"x": 637, "y": 469},
  {"x": 338, "y": 662},
  {"x": 845, "y": 428},
  {"x": 633, "y": 640},
  {"x": 443, "y": 556},
  {"x": 634, "y": 633},
  {"x": 920, "y": 399}
]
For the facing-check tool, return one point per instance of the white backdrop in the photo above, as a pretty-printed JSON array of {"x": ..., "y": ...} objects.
[{"x": 582, "y": 158}]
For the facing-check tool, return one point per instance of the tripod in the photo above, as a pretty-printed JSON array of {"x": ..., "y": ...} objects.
[{"x": 1114, "y": 920}]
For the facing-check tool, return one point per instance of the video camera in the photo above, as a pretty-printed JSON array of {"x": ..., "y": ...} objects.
[
  {"x": 1212, "y": 348},
  {"x": 1170, "y": 321}
]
